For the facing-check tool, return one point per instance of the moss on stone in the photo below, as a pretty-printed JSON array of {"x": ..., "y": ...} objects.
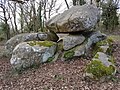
[
  {"x": 98, "y": 69},
  {"x": 114, "y": 37},
  {"x": 50, "y": 59},
  {"x": 107, "y": 41},
  {"x": 96, "y": 49},
  {"x": 60, "y": 46},
  {"x": 68, "y": 54},
  {"x": 112, "y": 60},
  {"x": 96, "y": 56},
  {"x": 109, "y": 50},
  {"x": 41, "y": 43}
]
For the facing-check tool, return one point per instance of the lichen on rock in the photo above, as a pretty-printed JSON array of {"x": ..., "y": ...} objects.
[
  {"x": 77, "y": 18},
  {"x": 105, "y": 42},
  {"x": 101, "y": 65},
  {"x": 71, "y": 41},
  {"x": 98, "y": 69},
  {"x": 50, "y": 59},
  {"x": 25, "y": 37},
  {"x": 69, "y": 54},
  {"x": 41, "y": 43},
  {"x": 26, "y": 54},
  {"x": 105, "y": 46}
]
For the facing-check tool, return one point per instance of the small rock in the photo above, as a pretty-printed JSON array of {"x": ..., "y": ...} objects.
[{"x": 101, "y": 66}]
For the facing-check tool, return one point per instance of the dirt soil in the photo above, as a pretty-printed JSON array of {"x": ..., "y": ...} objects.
[{"x": 57, "y": 75}]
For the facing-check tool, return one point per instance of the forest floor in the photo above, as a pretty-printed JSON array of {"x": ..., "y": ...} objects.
[{"x": 57, "y": 75}]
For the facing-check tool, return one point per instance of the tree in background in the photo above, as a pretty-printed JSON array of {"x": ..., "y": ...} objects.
[
  {"x": 82, "y": 2},
  {"x": 19, "y": 1},
  {"x": 109, "y": 14},
  {"x": 2, "y": 31},
  {"x": 109, "y": 17},
  {"x": 5, "y": 18},
  {"x": 21, "y": 16},
  {"x": 34, "y": 13},
  {"x": 67, "y": 4},
  {"x": 78, "y": 2}
]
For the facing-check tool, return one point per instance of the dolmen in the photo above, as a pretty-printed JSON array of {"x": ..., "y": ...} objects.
[{"x": 70, "y": 34}]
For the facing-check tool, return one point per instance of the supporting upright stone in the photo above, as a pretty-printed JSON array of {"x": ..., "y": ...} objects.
[{"x": 71, "y": 41}]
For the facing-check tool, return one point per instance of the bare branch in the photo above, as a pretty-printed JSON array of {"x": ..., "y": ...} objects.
[{"x": 67, "y": 4}]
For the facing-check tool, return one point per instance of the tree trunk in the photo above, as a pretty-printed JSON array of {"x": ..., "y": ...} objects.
[
  {"x": 14, "y": 16},
  {"x": 74, "y": 2},
  {"x": 7, "y": 31},
  {"x": 21, "y": 18},
  {"x": 91, "y": 1},
  {"x": 67, "y": 4}
]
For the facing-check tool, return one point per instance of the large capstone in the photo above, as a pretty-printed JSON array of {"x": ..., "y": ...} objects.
[
  {"x": 29, "y": 53},
  {"x": 77, "y": 18}
]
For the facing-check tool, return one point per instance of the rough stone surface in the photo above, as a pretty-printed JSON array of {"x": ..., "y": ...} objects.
[
  {"x": 62, "y": 35},
  {"x": 26, "y": 54},
  {"x": 84, "y": 48},
  {"x": 50, "y": 36},
  {"x": 94, "y": 38},
  {"x": 103, "y": 58},
  {"x": 72, "y": 40},
  {"x": 11, "y": 43},
  {"x": 80, "y": 50},
  {"x": 58, "y": 75},
  {"x": 101, "y": 65},
  {"x": 105, "y": 46},
  {"x": 77, "y": 18}
]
